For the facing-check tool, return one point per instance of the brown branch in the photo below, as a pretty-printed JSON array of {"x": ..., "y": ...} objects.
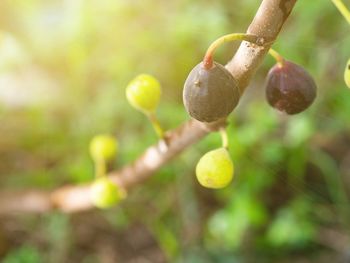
[{"x": 267, "y": 24}]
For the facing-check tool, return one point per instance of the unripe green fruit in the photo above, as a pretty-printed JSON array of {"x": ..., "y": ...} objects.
[
  {"x": 215, "y": 169},
  {"x": 210, "y": 94},
  {"x": 143, "y": 93},
  {"x": 104, "y": 193},
  {"x": 347, "y": 74},
  {"x": 103, "y": 147}
]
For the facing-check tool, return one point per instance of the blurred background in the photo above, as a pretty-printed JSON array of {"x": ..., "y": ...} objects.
[{"x": 64, "y": 66}]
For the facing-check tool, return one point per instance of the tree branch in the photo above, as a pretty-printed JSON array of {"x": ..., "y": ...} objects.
[{"x": 267, "y": 24}]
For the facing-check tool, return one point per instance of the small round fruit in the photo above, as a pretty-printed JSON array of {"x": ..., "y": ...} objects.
[
  {"x": 143, "y": 93},
  {"x": 104, "y": 193},
  {"x": 215, "y": 169},
  {"x": 210, "y": 94},
  {"x": 103, "y": 147},
  {"x": 347, "y": 74},
  {"x": 290, "y": 88}
]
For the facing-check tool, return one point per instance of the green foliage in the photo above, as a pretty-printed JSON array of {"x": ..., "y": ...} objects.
[
  {"x": 228, "y": 226},
  {"x": 24, "y": 254},
  {"x": 292, "y": 226}
]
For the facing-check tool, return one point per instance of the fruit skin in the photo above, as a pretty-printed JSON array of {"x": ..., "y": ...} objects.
[
  {"x": 210, "y": 95},
  {"x": 103, "y": 147},
  {"x": 290, "y": 88},
  {"x": 143, "y": 93},
  {"x": 215, "y": 169},
  {"x": 347, "y": 74},
  {"x": 104, "y": 193}
]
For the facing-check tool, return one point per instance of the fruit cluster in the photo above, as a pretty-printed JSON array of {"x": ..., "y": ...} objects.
[
  {"x": 143, "y": 93},
  {"x": 210, "y": 94},
  {"x": 215, "y": 168},
  {"x": 104, "y": 193}
]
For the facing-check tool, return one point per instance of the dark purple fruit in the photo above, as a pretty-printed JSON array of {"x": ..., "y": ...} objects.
[
  {"x": 290, "y": 88},
  {"x": 210, "y": 94}
]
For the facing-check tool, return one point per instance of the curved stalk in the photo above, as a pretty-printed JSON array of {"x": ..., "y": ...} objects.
[
  {"x": 279, "y": 59},
  {"x": 156, "y": 124},
  {"x": 208, "y": 58}
]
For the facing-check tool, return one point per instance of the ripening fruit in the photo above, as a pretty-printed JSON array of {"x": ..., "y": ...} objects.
[
  {"x": 210, "y": 94},
  {"x": 104, "y": 193},
  {"x": 143, "y": 93},
  {"x": 347, "y": 74},
  {"x": 103, "y": 147},
  {"x": 290, "y": 88},
  {"x": 215, "y": 169}
]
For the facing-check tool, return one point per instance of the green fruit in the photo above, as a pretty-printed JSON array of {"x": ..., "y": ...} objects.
[
  {"x": 143, "y": 93},
  {"x": 215, "y": 169},
  {"x": 104, "y": 193},
  {"x": 347, "y": 74},
  {"x": 103, "y": 147}
]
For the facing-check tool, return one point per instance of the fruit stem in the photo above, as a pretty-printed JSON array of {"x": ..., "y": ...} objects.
[
  {"x": 224, "y": 138},
  {"x": 279, "y": 59},
  {"x": 100, "y": 167},
  {"x": 342, "y": 9},
  {"x": 156, "y": 125},
  {"x": 208, "y": 58}
]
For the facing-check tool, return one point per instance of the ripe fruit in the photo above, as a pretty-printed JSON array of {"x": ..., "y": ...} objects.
[
  {"x": 215, "y": 169},
  {"x": 210, "y": 94},
  {"x": 143, "y": 93},
  {"x": 104, "y": 193},
  {"x": 290, "y": 88},
  {"x": 347, "y": 74},
  {"x": 103, "y": 147}
]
